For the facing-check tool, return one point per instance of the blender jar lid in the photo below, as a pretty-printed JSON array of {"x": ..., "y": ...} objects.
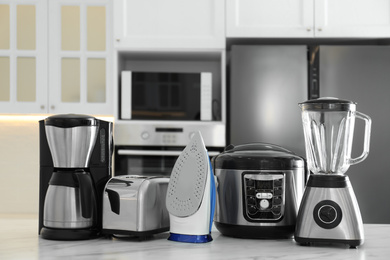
[
  {"x": 328, "y": 103},
  {"x": 71, "y": 120}
]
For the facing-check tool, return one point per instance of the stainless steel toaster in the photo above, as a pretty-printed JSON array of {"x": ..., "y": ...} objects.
[{"x": 135, "y": 205}]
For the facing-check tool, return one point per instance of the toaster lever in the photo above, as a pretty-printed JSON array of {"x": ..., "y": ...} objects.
[{"x": 114, "y": 199}]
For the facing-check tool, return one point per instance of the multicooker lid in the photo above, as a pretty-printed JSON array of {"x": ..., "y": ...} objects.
[
  {"x": 71, "y": 120},
  {"x": 257, "y": 156}
]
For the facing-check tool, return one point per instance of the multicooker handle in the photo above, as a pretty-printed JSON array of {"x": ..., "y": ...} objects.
[{"x": 367, "y": 134}]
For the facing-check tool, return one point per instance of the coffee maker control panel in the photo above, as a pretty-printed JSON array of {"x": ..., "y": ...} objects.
[{"x": 263, "y": 196}]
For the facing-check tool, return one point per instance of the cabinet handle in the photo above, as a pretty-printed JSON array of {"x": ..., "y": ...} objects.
[
  {"x": 52, "y": 107},
  {"x": 320, "y": 29},
  {"x": 118, "y": 40},
  {"x": 308, "y": 29},
  {"x": 42, "y": 107}
]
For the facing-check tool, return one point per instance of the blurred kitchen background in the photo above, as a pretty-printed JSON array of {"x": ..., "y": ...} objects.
[{"x": 61, "y": 57}]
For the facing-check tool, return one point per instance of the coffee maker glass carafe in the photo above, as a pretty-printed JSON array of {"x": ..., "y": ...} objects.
[
  {"x": 328, "y": 125},
  {"x": 70, "y": 202}
]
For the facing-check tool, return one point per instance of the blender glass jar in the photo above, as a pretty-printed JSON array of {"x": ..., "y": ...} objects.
[{"x": 328, "y": 125}]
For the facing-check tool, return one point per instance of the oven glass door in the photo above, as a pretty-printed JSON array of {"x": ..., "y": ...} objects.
[
  {"x": 145, "y": 162},
  {"x": 149, "y": 161}
]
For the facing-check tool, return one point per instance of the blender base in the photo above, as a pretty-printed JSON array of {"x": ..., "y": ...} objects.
[{"x": 329, "y": 213}]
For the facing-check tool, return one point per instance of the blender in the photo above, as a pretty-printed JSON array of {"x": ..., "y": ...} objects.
[{"x": 329, "y": 212}]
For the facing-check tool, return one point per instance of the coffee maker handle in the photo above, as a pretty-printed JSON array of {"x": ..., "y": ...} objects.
[
  {"x": 86, "y": 193},
  {"x": 367, "y": 134}
]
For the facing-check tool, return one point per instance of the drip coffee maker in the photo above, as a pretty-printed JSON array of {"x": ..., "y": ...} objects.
[
  {"x": 329, "y": 212},
  {"x": 75, "y": 164}
]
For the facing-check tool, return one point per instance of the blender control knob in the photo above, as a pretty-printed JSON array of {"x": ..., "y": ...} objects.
[{"x": 327, "y": 214}]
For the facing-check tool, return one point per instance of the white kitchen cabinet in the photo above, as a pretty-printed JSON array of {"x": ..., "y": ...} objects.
[
  {"x": 80, "y": 57},
  {"x": 23, "y": 56},
  {"x": 352, "y": 18},
  {"x": 308, "y": 18},
  {"x": 55, "y": 56},
  {"x": 169, "y": 24},
  {"x": 264, "y": 18}
]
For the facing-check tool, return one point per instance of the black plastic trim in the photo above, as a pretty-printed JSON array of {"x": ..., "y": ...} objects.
[
  {"x": 169, "y": 129},
  {"x": 64, "y": 178},
  {"x": 328, "y": 181},
  {"x": 256, "y": 232},
  {"x": 320, "y": 222},
  {"x": 353, "y": 243},
  {"x": 71, "y": 120},
  {"x": 133, "y": 233},
  {"x": 68, "y": 234}
]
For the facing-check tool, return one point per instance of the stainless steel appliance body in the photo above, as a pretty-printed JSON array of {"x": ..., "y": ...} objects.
[
  {"x": 329, "y": 212},
  {"x": 71, "y": 147},
  {"x": 259, "y": 190},
  {"x": 135, "y": 205},
  {"x": 75, "y": 153},
  {"x": 72, "y": 206}
]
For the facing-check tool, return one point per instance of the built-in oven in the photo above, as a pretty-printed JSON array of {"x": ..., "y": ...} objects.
[{"x": 162, "y": 99}]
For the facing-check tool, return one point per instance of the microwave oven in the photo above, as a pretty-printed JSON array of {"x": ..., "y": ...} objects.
[
  {"x": 168, "y": 96},
  {"x": 165, "y": 108}
]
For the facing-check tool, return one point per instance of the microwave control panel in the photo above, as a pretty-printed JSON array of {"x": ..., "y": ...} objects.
[{"x": 264, "y": 196}]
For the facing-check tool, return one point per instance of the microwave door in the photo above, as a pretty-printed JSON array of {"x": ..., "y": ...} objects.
[{"x": 126, "y": 95}]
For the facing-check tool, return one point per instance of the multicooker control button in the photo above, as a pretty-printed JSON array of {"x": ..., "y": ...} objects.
[{"x": 264, "y": 195}]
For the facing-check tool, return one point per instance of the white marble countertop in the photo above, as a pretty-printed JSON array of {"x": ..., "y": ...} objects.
[{"x": 20, "y": 240}]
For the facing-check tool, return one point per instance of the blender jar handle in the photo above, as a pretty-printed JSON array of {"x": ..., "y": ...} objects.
[{"x": 367, "y": 134}]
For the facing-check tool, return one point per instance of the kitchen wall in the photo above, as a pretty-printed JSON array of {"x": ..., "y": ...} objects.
[{"x": 19, "y": 164}]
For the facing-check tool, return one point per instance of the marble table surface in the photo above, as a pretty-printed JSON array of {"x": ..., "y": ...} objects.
[{"x": 20, "y": 240}]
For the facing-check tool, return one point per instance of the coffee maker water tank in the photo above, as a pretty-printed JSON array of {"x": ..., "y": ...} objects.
[{"x": 71, "y": 139}]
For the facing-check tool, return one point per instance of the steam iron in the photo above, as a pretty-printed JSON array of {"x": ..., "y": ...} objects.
[{"x": 190, "y": 197}]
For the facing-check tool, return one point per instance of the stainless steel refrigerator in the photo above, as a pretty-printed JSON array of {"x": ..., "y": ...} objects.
[{"x": 268, "y": 81}]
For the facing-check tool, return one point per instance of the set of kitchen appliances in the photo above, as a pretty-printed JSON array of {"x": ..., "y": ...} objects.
[{"x": 258, "y": 190}]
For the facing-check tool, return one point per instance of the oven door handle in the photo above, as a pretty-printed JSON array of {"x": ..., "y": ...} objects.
[{"x": 155, "y": 152}]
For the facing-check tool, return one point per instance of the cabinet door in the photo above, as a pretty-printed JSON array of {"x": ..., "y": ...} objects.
[
  {"x": 265, "y": 18},
  {"x": 23, "y": 56},
  {"x": 169, "y": 24},
  {"x": 80, "y": 57},
  {"x": 352, "y": 18}
]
